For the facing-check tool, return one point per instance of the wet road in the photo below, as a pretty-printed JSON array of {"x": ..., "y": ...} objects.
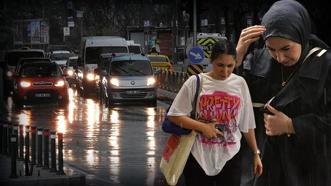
[{"x": 117, "y": 146}]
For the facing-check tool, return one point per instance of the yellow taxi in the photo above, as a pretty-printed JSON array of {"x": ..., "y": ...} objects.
[{"x": 159, "y": 61}]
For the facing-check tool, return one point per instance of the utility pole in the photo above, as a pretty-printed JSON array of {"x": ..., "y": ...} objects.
[{"x": 194, "y": 22}]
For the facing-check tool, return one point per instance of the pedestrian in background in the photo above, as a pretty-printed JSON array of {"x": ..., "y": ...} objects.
[
  {"x": 224, "y": 110},
  {"x": 295, "y": 77}
]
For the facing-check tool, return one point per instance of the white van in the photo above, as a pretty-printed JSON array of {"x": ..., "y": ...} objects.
[
  {"x": 60, "y": 57},
  {"x": 91, "y": 49},
  {"x": 134, "y": 48}
]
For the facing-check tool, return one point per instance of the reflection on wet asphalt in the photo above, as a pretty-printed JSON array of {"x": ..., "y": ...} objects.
[{"x": 112, "y": 146}]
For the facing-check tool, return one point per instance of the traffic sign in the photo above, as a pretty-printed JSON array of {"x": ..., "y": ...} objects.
[
  {"x": 196, "y": 55},
  {"x": 194, "y": 69},
  {"x": 207, "y": 45},
  {"x": 66, "y": 31}
]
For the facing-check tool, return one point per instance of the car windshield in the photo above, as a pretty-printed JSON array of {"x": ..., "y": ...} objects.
[
  {"x": 131, "y": 68},
  {"x": 157, "y": 59},
  {"x": 40, "y": 70},
  {"x": 60, "y": 56},
  {"x": 28, "y": 61},
  {"x": 134, "y": 49},
  {"x": 13, "y": 57},
  {"x": 24, "y": 61},
  {"x": 93, "y": 53}
]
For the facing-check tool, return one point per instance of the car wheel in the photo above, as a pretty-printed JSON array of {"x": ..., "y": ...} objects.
[
  {"x": 106, "y": 102},
  {"x": 63, "y": 103},
  {"x": 101, "y": 97},
  {"x": 84, "y": 94},
  {"x": 110, "y": 103},
  {"x": 80, "y": 91},
  {"x": 18, "y": 103}
]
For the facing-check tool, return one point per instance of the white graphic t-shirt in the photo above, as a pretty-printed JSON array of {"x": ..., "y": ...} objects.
[{"x": 226, "y": 101}]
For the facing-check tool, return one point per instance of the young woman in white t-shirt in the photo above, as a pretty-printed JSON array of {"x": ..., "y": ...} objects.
[{"x": 224, "y": 110}]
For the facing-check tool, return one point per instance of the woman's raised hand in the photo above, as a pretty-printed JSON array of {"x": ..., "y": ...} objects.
[{"x": 247, "y": 36}]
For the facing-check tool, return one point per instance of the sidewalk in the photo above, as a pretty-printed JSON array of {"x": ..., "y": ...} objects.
[{"x": 40, "y": 176}]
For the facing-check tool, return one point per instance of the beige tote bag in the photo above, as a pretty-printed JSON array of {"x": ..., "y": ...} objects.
[{"x": 175, "y": 155}]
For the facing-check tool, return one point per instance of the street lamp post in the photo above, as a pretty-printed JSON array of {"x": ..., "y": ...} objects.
[
  {"x": 79, "y": 15},
  {"x": 194, "y": 22}
]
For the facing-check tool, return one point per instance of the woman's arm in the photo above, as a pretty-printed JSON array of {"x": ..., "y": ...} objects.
[
  {"x": 250, "y": 138},
  {"x": 207, "y": 129}
]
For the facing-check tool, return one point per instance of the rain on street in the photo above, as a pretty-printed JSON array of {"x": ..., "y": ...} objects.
[{"x": 111, "y": 146}]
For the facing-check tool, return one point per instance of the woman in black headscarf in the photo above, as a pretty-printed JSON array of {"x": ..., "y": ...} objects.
[{"x": 297, "y": 76}]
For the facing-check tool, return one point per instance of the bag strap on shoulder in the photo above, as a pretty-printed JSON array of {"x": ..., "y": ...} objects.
[{"x": 194, "y": 103}]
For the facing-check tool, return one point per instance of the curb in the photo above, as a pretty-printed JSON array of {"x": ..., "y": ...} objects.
[
  {"x": 40, "y": 176},
  {"x": 75, "y": 180}
]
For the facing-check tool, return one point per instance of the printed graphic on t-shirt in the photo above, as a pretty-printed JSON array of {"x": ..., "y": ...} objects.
[{"x": 223, "y": 108}]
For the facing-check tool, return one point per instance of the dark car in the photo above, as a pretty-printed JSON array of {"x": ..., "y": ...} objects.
[
  {"x": 73, "y": 74},
  {"x": 11, "y": 59},
  {"x": 40, "y": 82},
  {"x": 128, "y": 78}
]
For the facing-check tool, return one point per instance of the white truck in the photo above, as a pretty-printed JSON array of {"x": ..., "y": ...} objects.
[
  {"x": 134, "y": 48},
  {"x": 89, "y": 57}
]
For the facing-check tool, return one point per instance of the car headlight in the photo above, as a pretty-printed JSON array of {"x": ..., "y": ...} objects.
[
  {"x": 80, "y": 74},
  {"x": 151, "y": 81},
  {"x": 10, "y": 73},
  {"x": 114, "y": 81},
  {"x": 59, "y": 83},
  {"x": 97, "y": 77},
  {"x": 90, "y": 76},
  {"x": 25, "y": 84},
  {"x": 70, "y": 72}
]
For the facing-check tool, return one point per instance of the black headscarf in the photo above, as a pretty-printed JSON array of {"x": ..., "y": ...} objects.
[{"x": 290, "y": 20}]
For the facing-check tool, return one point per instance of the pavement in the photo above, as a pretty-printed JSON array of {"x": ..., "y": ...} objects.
[{"x": 40, "y": 176}]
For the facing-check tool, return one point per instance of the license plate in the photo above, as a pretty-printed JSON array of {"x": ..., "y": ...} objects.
[
  {"x": 42, "y": 95},
  {"x": 131, "y": 91}
]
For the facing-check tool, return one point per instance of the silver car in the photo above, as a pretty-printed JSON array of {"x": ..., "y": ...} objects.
[{"x": 128, "y": 78}]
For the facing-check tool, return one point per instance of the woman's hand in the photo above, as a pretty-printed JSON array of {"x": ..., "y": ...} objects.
[
  {"x": 258, "y": 168},
  {"x": 209, "y": 130},
  {"x": 278, "y": 123},
  {"x": 247, "y": 36}
]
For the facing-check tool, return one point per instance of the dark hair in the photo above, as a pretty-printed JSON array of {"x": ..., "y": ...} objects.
[{"x": 223, "y": 46}]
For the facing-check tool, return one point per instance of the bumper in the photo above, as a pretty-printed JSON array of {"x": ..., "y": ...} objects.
[
  {"x": 89, "y": 86},
  {"x": 128, "y": 95},
  {"x": 41, "y": 96}
]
